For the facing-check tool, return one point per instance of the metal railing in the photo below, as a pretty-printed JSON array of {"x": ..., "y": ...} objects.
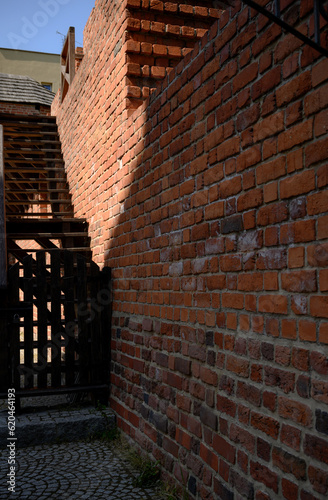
[{"x": 276, "y": 17}]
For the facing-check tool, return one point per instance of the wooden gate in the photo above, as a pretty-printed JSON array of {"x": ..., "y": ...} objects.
[{"x": 55, "y": 326}]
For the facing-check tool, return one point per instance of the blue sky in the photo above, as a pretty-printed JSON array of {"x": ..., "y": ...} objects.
[{"x": 32, "y": 24}]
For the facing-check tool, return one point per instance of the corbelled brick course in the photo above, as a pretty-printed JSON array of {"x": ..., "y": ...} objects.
[{"x": 209, "y": 202}]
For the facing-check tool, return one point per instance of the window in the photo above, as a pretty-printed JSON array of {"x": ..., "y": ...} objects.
[{"x": 47, "y": 86}]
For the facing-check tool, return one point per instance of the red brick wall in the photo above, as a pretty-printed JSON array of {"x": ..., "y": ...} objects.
[
  {"x": 210, "y": 204},
  {"x": 17, "y": 108}
]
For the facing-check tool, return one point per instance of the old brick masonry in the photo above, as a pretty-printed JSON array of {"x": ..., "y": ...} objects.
[{"x": 209, "y": 200}]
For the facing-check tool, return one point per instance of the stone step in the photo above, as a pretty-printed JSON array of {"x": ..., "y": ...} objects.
[{"x": 46, "y": 424}]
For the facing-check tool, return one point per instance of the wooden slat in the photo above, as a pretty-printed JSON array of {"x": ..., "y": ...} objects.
[
  {"x": 95, "y": 326},
  {"x": 36, "y": 161},
  {"x": 34, "y": 151},
  {"x": 33, "y": 191},
  {"x": 105, "y": 298},
  {"x": 56, "y": 326},
  {"x": 27, "y": 124},
  {"x": 28, "y": 322},
  {"x": 14, "y": 249},
  {"x": 35, "y": 180},
  {"x": 3, "y": 250},
  {"x": 14, "y": 343},
  {"x": 4, "y": 351},
  {"x": 20, "y": 170},
  {"x": 29, "y": 215},
  {"x": 38, "y": 202},
  {"x": 42, "y": 322},
  {"x": 82, "y": 317},
  {"x": 16, "y": 142},
  {"x": 35, "y": 235},
  {"x": 69, "y": 311},
  {"x": 40, "y": 133}
]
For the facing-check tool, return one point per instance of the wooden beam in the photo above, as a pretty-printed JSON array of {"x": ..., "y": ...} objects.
[
  {"x": 3, "y": 247},
  {"x": 67, "y": 62}
]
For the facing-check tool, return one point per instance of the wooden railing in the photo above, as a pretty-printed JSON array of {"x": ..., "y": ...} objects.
[
  {"x": 3, "y": 249},
  {"x": 67, "y": 63}
]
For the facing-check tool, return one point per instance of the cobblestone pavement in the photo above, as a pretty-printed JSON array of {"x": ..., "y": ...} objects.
[
  {"x": 79, "y": 470},
  {"x": 89, "y": 469}
]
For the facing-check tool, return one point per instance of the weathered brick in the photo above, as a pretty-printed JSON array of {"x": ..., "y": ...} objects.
[
  {"x": 293, "y": 410},
  {"x": 289, "y": 463},
  {"x": 294, "y": 88},
  {"x": 316, "y": 448},
  {"x": 295, "y": 135}
]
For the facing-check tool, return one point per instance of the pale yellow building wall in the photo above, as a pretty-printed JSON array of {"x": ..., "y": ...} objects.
[{"x": 43, "y": 67}]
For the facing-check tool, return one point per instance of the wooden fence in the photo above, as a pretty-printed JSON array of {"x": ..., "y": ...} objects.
[
  {"x": 55, "y": 325},
  {"x": 3, "y": 250}
]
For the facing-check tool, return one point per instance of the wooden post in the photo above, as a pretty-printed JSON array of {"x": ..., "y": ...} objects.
[
  {"x": 67, "y": 63},
  {"x": 3, "y": 246}
]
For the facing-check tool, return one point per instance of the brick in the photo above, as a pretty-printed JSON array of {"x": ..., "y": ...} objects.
[
  {"x": 229, "y": 148},
  {"x": 289, "y": 489},
  {"x": 208, "y": 456},
  {"x": 238, "y": 366},
  {"x": 316, "y": 100},
  {"x": 249, "y": 393},
  {"x": 300, "y": 359},
  {"x": 271, "y": 259},
  {"x": 316, "y": 152},
  {"x": 317, "y": 203},
  {"x": 295, "y": 135},
  {"x": 293, "y": 410},
  {"x": 319, "y": 363},
  {"x": 222, "y": 491},
  {"x": 291, "y": 436},
  {"x": 289, "y": 463},
  {"x": 321, "y": 423},
  {"x": 297, "y": 184},
  {"x": 316, "y": 448},
  {"x": 322, "y": 176},
  {"x": 319, "y": 479},
  {"x": 264, "y": 475},
  {"x": 248, "y": 158},
  {"x": 321, "y": 123},
  {"x": 288, "y": 329},
  {"x": 208, "y": 417},
  {"x": 230, "y": 263},
  {"x": 224, "y": 448},
  {"x": 317, "y": 255},
  {"x": 272, "y": 214},
  {"x": 299, "y": 281},
  {"x": 247, "y": 117},
  {"x": 232, "y": 224},
  {"x": 226, "y": 405},
  {"x": 319, "y": 306},
  {"x": 294, "y": 88},
  {"x": 242, "y": 39},
  {"x": 244, "y": 487},
  {"x": 182, "y": 365},
  {"x": 280, "y": 378},
  {"x": 265, "y": 424},
  {"x": 269, "y": 126},
  {"x": 296, "y": 257},
  {"x": 271, "y": 170},
  {"x": 251, "y": 199}
]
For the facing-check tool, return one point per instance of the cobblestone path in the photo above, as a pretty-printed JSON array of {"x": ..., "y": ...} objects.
[{"x": 77, "y": 470}]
